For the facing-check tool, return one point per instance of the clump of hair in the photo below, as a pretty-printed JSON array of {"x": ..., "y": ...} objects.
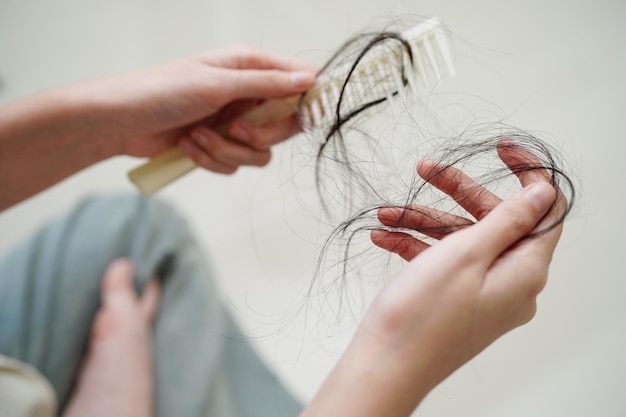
[{"x": 362, "y": 166}]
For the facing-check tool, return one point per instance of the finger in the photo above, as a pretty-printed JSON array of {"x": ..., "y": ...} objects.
[
  {"x": 526, "y": 166},
  {"x": 233, "y": 110},
  {"x": 470, "y": 195},
  {"x": 117, "y": 288},
  {"x": 399, "y": 243},
  {"x": 253, "y": 83},
  {"x": 529, "y": 169},
  {"x": 428, "y": 221},
  {"x": 247, "y": 57},
  {"x": 511, "y": 220},
  {"x": 263, "y": 137},
  {"x": 149, "y": 301},
  {"x": 228, "y": 152},
  {"x": 202, "y": 159}
]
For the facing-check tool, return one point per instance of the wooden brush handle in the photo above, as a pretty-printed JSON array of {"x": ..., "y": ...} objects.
[{"x": 173, "y": 164}]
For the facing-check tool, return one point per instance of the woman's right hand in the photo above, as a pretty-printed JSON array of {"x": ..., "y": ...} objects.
[{"x": 144, "y": 113}]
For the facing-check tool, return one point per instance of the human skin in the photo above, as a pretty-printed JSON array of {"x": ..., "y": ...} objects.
[
  {"x": 51, "y": 135},
  {"x": 117, "y": 374},
  {"x": 452, "y": 299}
]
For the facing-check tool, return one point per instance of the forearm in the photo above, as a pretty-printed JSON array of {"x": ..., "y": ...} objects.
[
  {"x": 372, "y": 379},
  {"x": 46, "y": 138}
]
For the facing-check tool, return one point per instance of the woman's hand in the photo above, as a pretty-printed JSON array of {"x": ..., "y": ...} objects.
[
  {"x": 453, "y": 298},
  {"x": 51, "y": 135},
  {"x": 117, "y": 376},
  {"x": 149, "y": 111}
]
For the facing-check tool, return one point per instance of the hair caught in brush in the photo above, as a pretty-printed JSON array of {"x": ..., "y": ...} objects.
[{"x": 349, "y": 115}]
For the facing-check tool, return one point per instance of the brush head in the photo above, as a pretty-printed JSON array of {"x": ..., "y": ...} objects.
[{"x": 373, "y": 68}]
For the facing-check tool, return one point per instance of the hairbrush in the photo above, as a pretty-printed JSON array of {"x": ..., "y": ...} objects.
[{"x": 389, "y": 64}]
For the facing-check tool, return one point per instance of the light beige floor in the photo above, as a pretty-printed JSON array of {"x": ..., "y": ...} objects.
[{"x": 552, "y": 66}]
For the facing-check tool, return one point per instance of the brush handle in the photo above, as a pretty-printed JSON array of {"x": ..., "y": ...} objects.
[{"x": 173, "y": 164}]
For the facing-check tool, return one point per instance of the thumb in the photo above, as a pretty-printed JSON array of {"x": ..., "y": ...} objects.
[
  {"x": 511, "y": 220},
  {"x": 117, "y": 287},
  {"x": 253, "y": 83}
]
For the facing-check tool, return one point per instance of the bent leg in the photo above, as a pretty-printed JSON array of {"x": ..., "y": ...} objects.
[{"x": 49, "y": 292}]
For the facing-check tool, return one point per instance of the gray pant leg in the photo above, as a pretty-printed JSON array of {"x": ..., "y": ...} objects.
[{"x": 49, "y": 293}]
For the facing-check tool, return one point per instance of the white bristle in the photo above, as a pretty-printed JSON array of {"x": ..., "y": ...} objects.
[
  {"x": 316, "y": 113},
  {"x": 389, "y": 97},
  {"x": 348, "y": 101},
  {"x": 395, "y": 76},
  {"x": 325, "y": 103},
  {"x": 308, "y": 115},
  {"x": 413, "y": 79},
  {"x": 444, "y": 50},
  {"x": 348, "y": 95},
  {"x": 409, "y": 73},
  {"x": 432, "y": 59},
  {"x": 419, "y": 64},
  {"x": 334, "y": 93},
  {"x": 380, "y": 73},
  {"x": 370, "y": 84}
]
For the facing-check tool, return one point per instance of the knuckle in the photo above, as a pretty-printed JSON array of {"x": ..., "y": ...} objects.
[
  {"x": 537, "y": 283},
  {"x": 215, "y": 147},
  {"x": 521, "y": 218},
  {"x": 193, "y": 152},
  {"x": 228, "y": 170},
  {"x": 200, "y": 157},
  {"x": 528, "y": 313},
  {"x": 263, "y": 158},
  {"x": 277, "y": 80},
  {"x": 258, "y": 138},
  {"x": 204, "y": 161}
]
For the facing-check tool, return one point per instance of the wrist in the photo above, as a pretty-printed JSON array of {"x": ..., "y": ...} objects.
[
  {"x": 83, "y": 114},
  {"x": 67, "y": 121},
  {"x": 46, "y": 138},
  {"x": 372, "y": 379}
]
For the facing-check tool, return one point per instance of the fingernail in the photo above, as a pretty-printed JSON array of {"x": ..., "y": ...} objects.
[
  {"x": 507, "y": 143},
  {"x": 239, "y": 132},
  {"x": 302, "y": 79},
  {"x": 540, "y": 195}
]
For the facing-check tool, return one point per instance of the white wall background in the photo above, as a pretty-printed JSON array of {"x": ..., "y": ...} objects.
[{"x": 556, "y": 66}]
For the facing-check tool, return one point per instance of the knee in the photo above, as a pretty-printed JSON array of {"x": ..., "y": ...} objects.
[{"x": 145, "y": 230}]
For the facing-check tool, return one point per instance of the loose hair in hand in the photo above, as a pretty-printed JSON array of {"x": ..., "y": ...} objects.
[{"x": 358, "y": 172}]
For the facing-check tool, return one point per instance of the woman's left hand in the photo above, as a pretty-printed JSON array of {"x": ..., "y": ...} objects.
[{"x": 453, "y": 298}]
